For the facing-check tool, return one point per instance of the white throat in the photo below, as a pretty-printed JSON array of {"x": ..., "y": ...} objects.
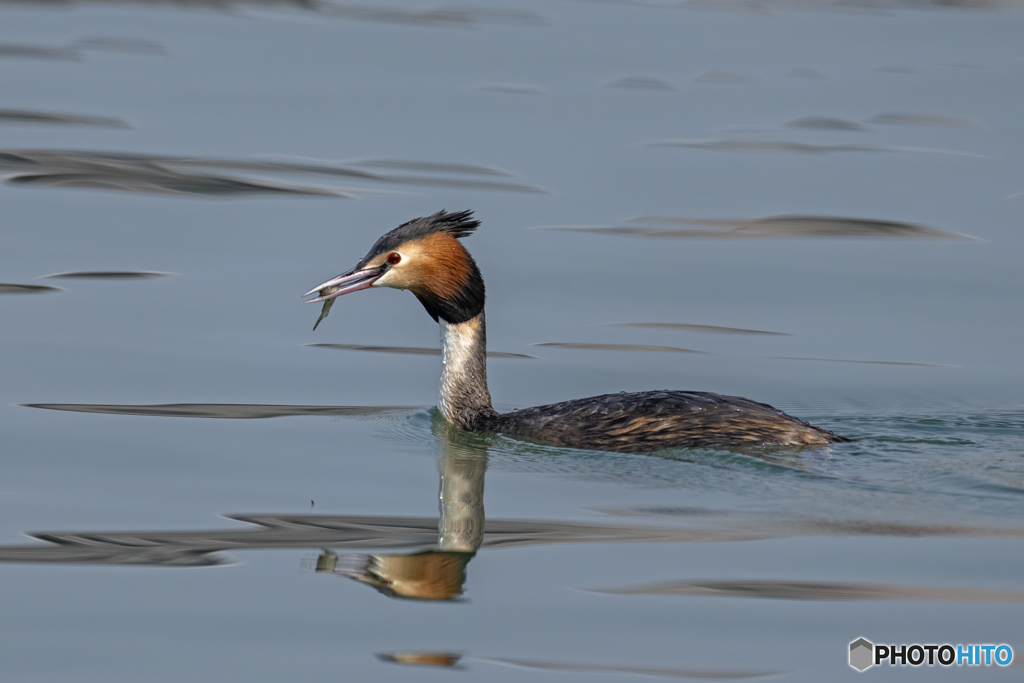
[{"x": 464, "y": 396}]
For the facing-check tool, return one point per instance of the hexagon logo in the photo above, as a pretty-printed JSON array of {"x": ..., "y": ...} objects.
[{"x": 861, "y": 654}]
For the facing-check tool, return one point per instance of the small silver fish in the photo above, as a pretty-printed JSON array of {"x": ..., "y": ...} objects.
[{"x": 327, "y": 304}]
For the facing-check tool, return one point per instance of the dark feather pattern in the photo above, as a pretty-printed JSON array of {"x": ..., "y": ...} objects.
[
  {"x": 461, "y": 305},
  {"x": 656, "y": 420}
]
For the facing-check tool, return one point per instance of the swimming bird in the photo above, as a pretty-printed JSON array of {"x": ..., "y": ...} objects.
[{"x": 426, "y": 257}]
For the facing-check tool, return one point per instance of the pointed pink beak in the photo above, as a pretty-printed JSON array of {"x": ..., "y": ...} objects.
[{"x": 352, "y": 281}]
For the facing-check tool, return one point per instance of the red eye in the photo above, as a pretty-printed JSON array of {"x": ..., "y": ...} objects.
[{"x": 394, "y": 258}]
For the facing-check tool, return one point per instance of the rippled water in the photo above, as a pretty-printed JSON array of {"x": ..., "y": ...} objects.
[{"x": 828, "y": 196}]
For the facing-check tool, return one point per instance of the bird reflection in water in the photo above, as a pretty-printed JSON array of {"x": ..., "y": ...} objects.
[{"x": 440, "y": 573}]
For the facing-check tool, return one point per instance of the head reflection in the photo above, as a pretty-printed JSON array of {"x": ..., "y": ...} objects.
[{"x": 439, "y": 573}]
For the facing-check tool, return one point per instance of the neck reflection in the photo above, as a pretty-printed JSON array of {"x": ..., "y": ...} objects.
[{"x": 438, "y": 573}]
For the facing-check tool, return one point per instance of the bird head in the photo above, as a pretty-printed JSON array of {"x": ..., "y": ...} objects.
[{"x": 425, "y": 257}]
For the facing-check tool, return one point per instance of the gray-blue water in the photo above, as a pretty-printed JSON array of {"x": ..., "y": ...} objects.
[{"x": 847, "y": 176}]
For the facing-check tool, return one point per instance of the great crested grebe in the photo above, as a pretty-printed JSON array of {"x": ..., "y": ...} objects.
[{"x": 426, "y": 257}]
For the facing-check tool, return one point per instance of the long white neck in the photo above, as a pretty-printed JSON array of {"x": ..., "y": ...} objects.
[{"x": 465, "y": 400}]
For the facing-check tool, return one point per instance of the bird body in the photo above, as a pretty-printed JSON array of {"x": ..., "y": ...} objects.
[
  {"x": 644, "y": 421},
  {"x": 426, "y": 257}
]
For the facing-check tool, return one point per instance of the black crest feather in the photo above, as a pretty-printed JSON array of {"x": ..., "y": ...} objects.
[{"x": 459, "y": 224}]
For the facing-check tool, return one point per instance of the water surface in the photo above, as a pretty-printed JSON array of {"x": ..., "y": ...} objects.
[{"x": 824, "y": 193}]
